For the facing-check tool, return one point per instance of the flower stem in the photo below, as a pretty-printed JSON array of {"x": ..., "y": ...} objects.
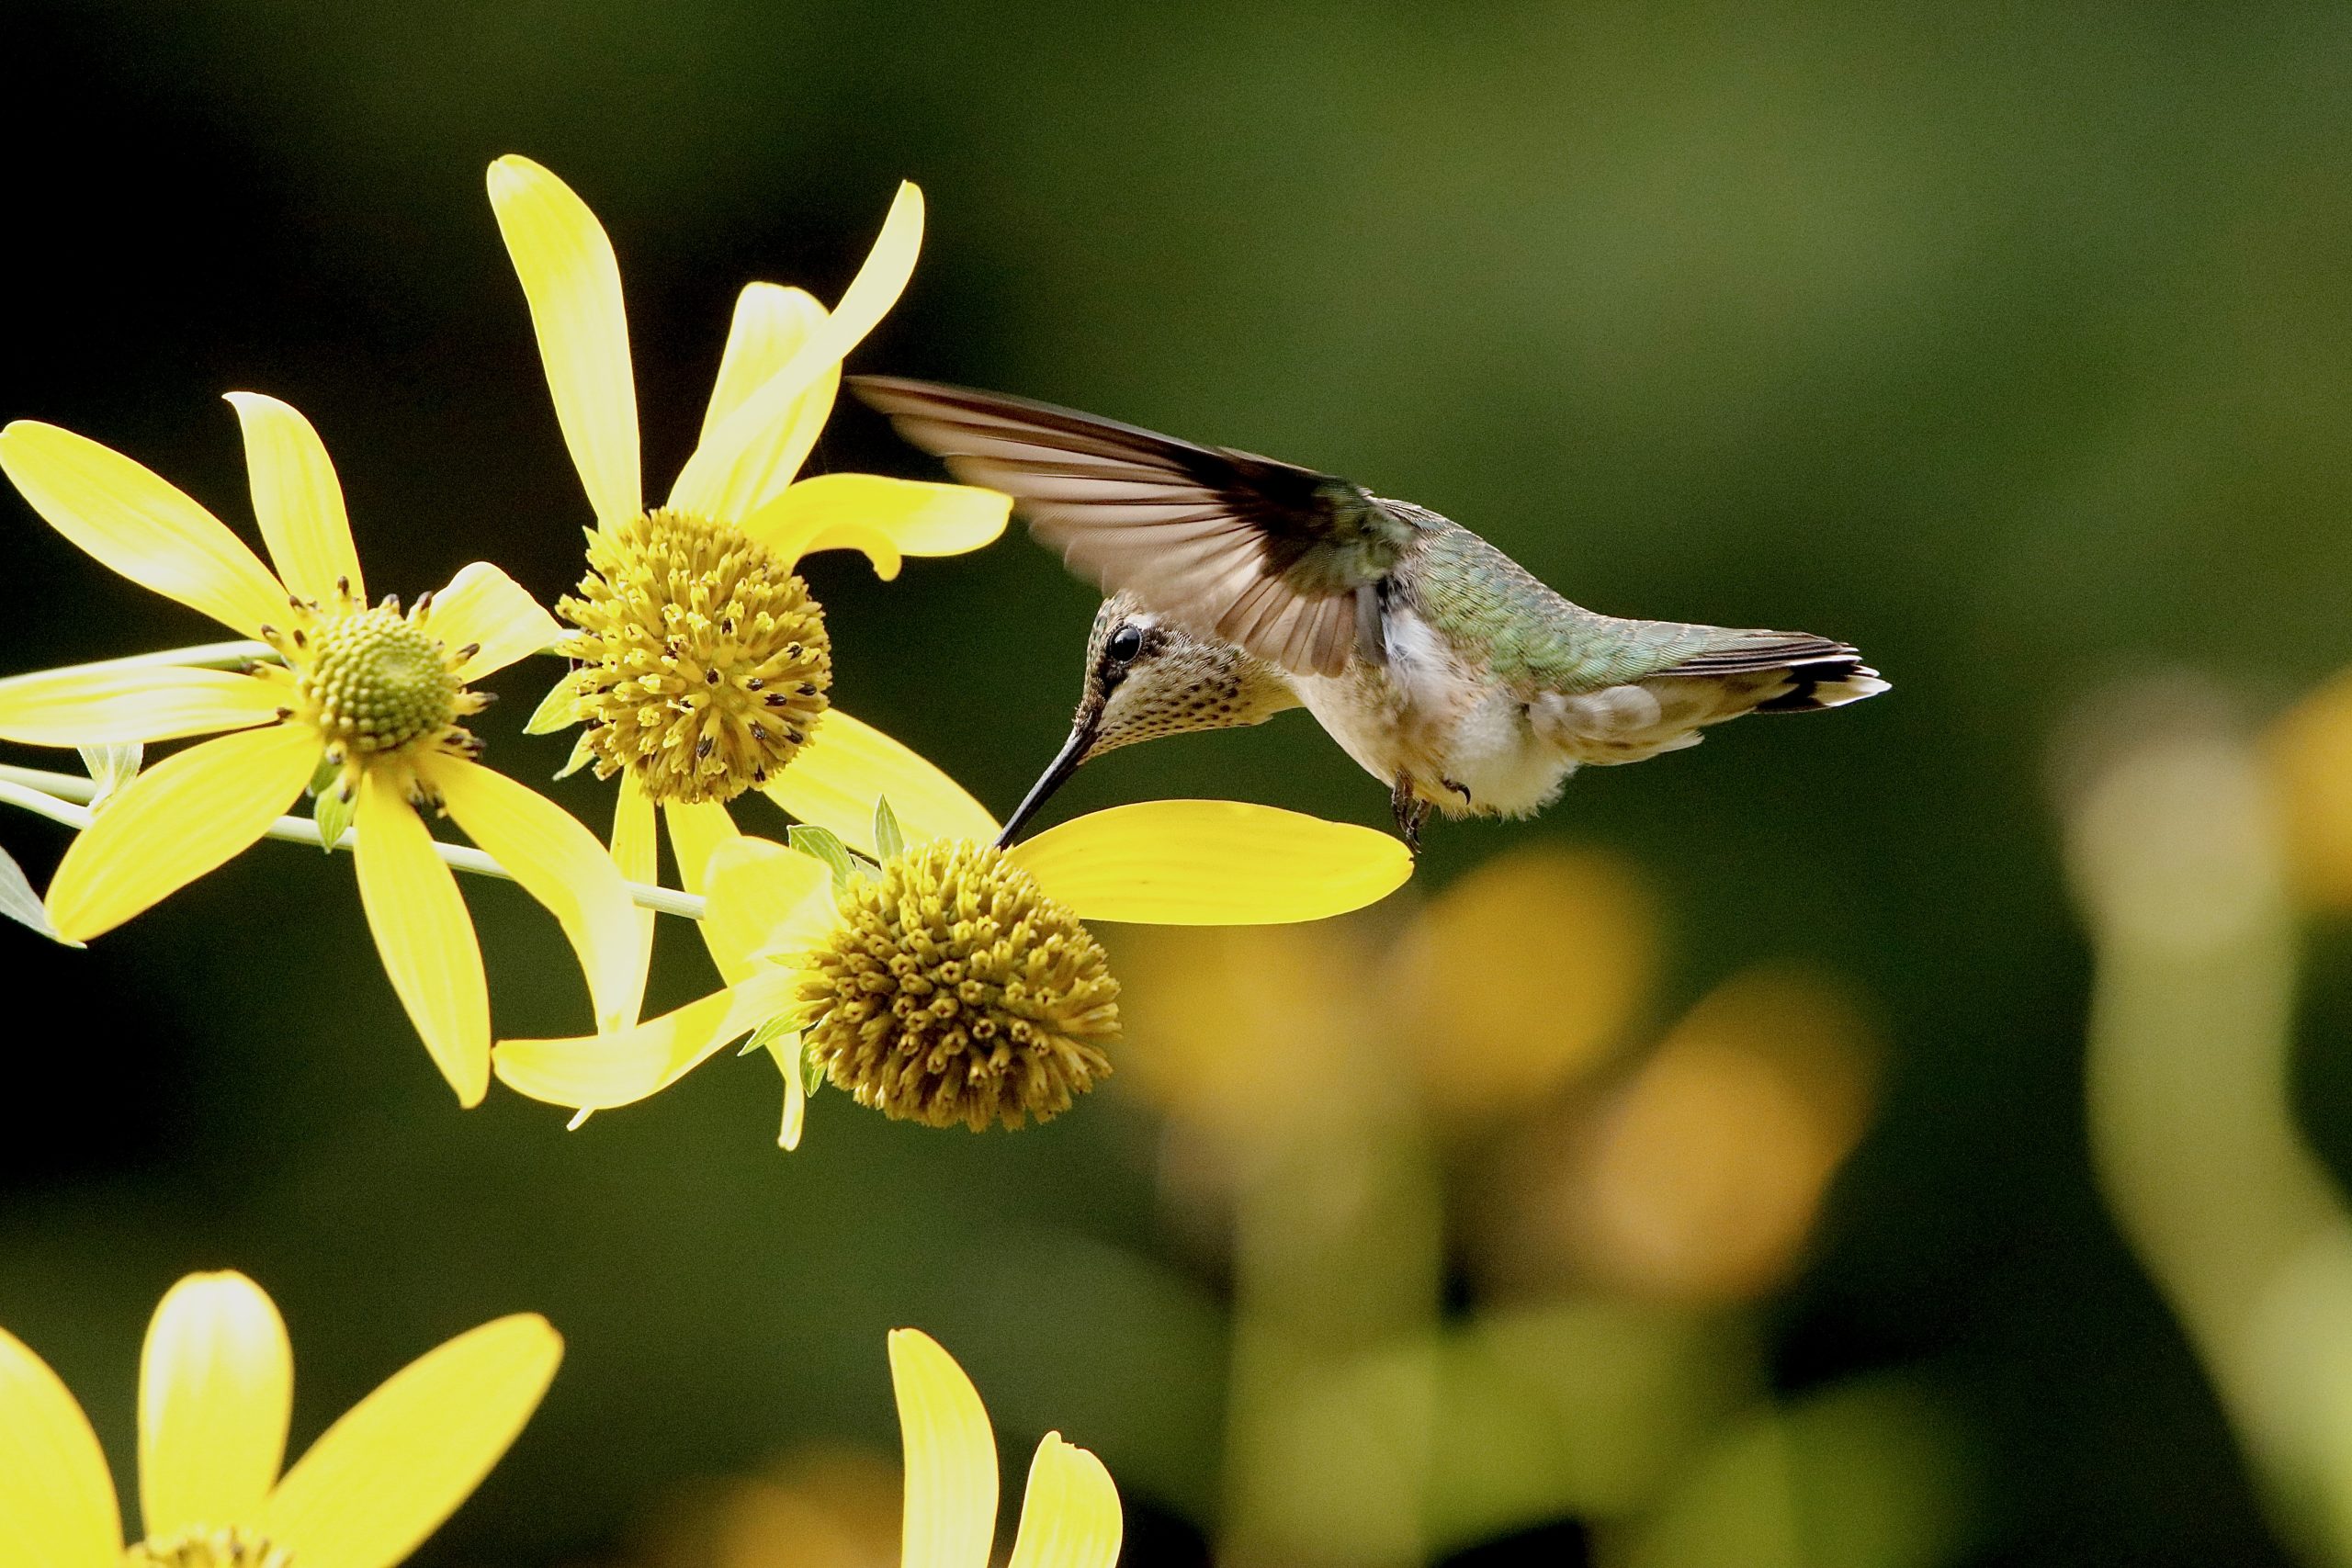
[{"x": 59, "y": 797}]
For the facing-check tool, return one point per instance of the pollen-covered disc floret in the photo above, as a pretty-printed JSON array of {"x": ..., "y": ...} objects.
[
  {"x": 208, "y": 1549},
  {"x": 952, "y": 990},
  {"x": 374, "y": 682},
  {"x": 703, "y": 661}
]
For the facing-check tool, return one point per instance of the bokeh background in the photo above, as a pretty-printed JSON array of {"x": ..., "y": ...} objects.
[{"x": 1696, "y": 1175}]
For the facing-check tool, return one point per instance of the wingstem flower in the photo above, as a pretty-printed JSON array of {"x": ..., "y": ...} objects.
[
  {"x": 369, "y": 695},
  {"x": 215, "y": 1390},
  {"x": 702, "y": 666}
]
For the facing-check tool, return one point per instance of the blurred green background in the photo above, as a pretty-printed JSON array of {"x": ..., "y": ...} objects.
[{"x": 2011, "y": 343}]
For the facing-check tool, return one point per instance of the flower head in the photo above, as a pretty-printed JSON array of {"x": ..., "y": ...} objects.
[
  {"x": 215, "y": 1392},
  {"x": 373, "y": 695},
  {"x": 949, "y": 981}
]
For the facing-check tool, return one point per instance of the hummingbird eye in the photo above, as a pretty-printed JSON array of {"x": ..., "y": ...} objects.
[{"x": 1125, "y": 643}]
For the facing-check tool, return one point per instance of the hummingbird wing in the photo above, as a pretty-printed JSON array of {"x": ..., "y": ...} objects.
[{"x": 1282, "y": 561}]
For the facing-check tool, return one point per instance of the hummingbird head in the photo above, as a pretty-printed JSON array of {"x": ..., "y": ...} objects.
[{"x": 1147, "y": 677}]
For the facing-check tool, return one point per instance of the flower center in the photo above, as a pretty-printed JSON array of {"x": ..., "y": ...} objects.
[
  {"x": 375, "y": 680},
  {"x": 703, "y": 661},
  {"x": 952, "y": 989},
  {"x": 208, "y": 1549}
]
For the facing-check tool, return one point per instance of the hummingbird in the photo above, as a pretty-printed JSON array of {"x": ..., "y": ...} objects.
[{"x": 1240, "y": 586}]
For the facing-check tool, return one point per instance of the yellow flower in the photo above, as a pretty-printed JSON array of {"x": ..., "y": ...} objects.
[
  {"x": 956, "y": 984},
  {"x": 215, "y": 1387},
  {"x": 370, "y": 692},
  {"x": 1069, "y": 1516},
  {"x": 704, "y": 667}
]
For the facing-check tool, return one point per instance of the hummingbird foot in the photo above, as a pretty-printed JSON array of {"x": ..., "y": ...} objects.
[{"x": 1411, "y": 811}]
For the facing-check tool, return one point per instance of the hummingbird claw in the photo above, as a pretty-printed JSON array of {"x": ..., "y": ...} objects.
[{"x": 1412, "y": 812}]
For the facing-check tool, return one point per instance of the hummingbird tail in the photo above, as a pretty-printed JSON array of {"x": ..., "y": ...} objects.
[{"x": 1829, "y": 684}]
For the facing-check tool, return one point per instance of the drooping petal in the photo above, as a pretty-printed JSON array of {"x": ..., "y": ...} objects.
[
  {"x": 919, "y": 518},
  {"x": 146, "y": 529},
  {"x": 216, "y": 1387},
  {"x": 848, "y": 765},
  {"x": 96, "y": 705},
  {"x": 810, "y": 535},
  {"x": 424, "y": 935},
  {"x": 785, "y": 1050},
  {"x": 298, "y": 500},
  {"x": 636, "y": 850},
  {"x": 762, "y": 898},
  {"x": 573, "y": 282},
  {"x": 57, "y": 1505},
  {"x": 1069, "y": 1517},
  {"x": 484, "y": 607},
  {"x": 739, "y": 464},
  {"x": 559, "y": 863},
  {"x": 1212, "y": 863},
  {"x": 772, "y": 322},
  {"x": 696, "y": 830},
  {"x": 950, "y": 1510},
  {"x": 598, "y": 1072},
  {"x": 180, "y": 818},
  {"x": 381, "y": 1479}
]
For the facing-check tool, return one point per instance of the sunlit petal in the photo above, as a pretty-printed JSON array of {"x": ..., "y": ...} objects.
[
  {"x": 1212, "y": 863},
  {"x": 142, "y": 527},
  {"x": 770, "y": 324},
  {"x": 848, "y": 765},
  {"x": 573, "y": 282},
  {"x": 637, "y": 851},
  {"x": 696, "y": 830},
  {"x": 57, "y": 1506},
  {"x": 762, "y": 897},
  {"x": 950, "y": 1514},
  {"x": 95, "y": 706},
  {"x": 425, "y": 936},
  {"x": 298, "y": 500},
  {"x": 488, "y": 610},
  {"x": 216, "y": 1387},
  {"x": 381, "y": 1480},
  {"x": 1070, "y": 1517},
  {"x": 598, "y": 1072},
  {"x": 739, "y": 462},
  {"x": 919, "y": 518},
  {"x": 177, "y": 820},
  {"x": 810, "y": 535},
  {"x": 559, "y": 863}
]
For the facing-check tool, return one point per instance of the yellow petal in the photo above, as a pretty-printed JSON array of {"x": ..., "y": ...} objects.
[
  {"x": 740, "y": 463},
  {"x": 486, "y": 608},
  {"x": 697, "y": 829},
  {"x": 216, "y": 1386},
  {"x": 810, "y": 535},
  {"x": 177, "y": 820},
  {"x": 574, "y": 284},
  {"x": 1212, "y": 863},
  {"x": 918, "y": 518},
  {"x": 598, "y": 1072},
  {"x": 57, "y": 1507},
  {"x": 950, "y": 1518},
  {"x": 762, "y": 897},
  {"x": 381, "y": 1480},
  {"x": 559, "y": 863},
  {"x": 96, "y": 705},
  {"x": 298, "y": 500},
  {"x": 1070, "y": 1517},
  {"x": 636, "y": 850},
  {"x": 770, "y": 324},
  {"x": 848, "y": 765},
  {"x": 786, "y": 1050},
  {"x": 144, "y": 529},
  {"x": 424, "y": 935}
]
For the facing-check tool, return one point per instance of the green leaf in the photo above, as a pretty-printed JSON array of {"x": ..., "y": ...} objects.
[
  {"x": 766, "y": 1035},
  {"x": 19, "y": 903},
  {"x": 111, "y": 766},
  {"x": 889, "y": 841},
  {"x": 557, "y": 709},
  {"x": 581, "y": 755},
  {"x": 812, "y": 1071},
  {"x": 323, "y": 775},
  {"x": 824, "y": 845},
  {"x": 333, "y": 812}
]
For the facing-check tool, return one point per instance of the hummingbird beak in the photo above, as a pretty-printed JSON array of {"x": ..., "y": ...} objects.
[{"x": 1057, "y": 774}]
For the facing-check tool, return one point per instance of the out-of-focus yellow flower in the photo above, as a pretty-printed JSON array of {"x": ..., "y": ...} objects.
[
  {"x": 1697, "y": 1180},
  {"x": 2308, "y": 751},
  {"x": 215, "y": 1389},
  {"x": 957, "y": 982},
  {"x": 703, "y": 667},
  {"x": 376, "y": 696},
  {"x": 1069, "y": 1516},
  {"x": 820, "y": 1507},
  {"x": 1524, "y": 972}
]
